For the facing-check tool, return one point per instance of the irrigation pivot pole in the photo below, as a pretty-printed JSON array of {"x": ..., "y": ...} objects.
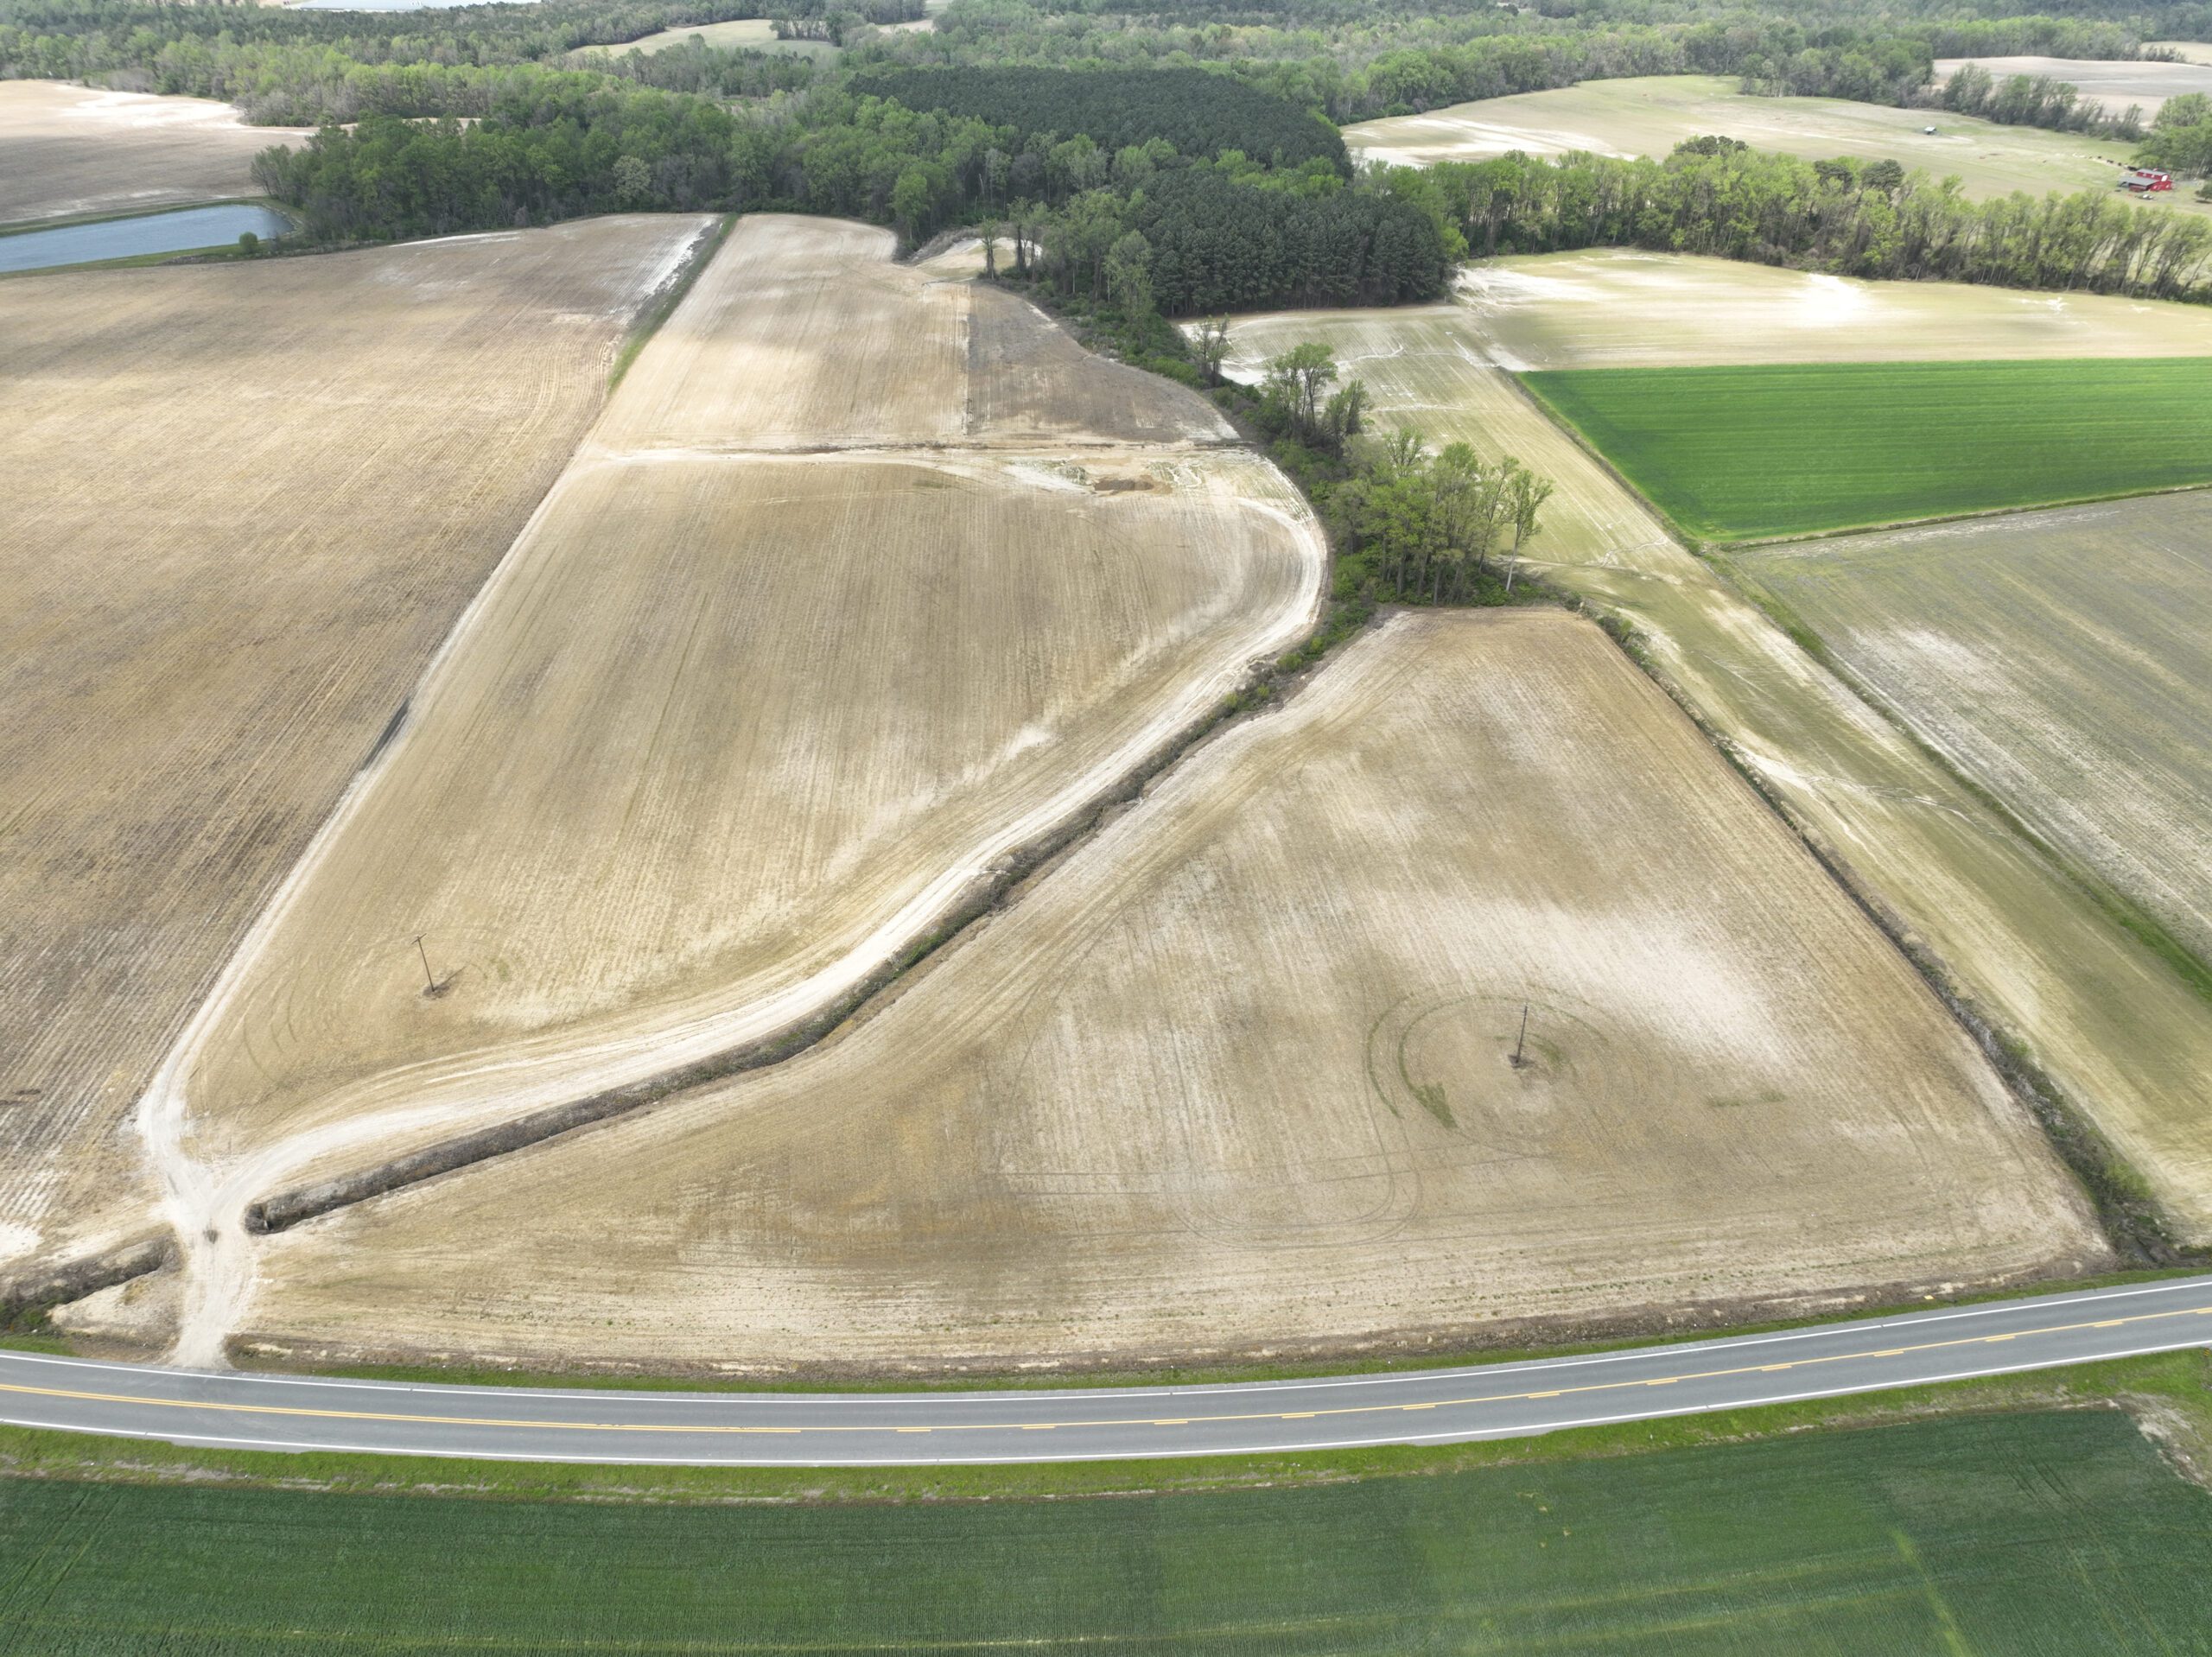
[
  {"x": 1521, "y": 1040},
  {"x": 431, "y": 979}
]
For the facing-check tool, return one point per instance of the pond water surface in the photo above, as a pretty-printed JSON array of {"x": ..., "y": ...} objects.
[{"x": 153, "y": 232}]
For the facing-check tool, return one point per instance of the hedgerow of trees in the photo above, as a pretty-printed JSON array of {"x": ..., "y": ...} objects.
[
  {"x": 1196, "y": 112},
  {"x": 1409, "y": 524},
  {"x": 1715, "y": 196}
]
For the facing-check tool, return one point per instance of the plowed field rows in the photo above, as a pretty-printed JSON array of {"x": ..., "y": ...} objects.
[
  {"x": 66, "y": 150},
  {"x": 1613, "y": 308},
  {"x": 809, "y": 637},
  {"x": 2126, "y": 1038},
  {"x": 2115, "y": 83},
  {"x": 1239, "y": 1075},
  {"x": 229, "y": 552},
  {"x": 2062, "y": 658},
  {"x": 1649, "y": 115}
]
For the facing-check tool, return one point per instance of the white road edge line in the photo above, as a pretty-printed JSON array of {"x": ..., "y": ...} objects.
[{"x": 1472, "y": 1436}]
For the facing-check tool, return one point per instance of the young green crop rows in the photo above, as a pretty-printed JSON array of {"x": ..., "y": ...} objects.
[
  {"x": 2050, "y": 1533},
  {"x": 1744, "y": 453}
]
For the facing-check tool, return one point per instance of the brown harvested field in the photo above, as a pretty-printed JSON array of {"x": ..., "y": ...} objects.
[
  {"x": 66, "y": 150},
  {"x": 229, "y": 551},
  {"x": 2061, "y": 659},
  {"x": 2114, "y": 83},
  {"x": 1616, "y": 308},
  {"x": 2122, "y": 1036},
  {"x": 803, "y": 335},
  {"x": 1236, "y": 1077},
  {"x": 809, "y": 704},
  {"x": 736, "y": 723}
]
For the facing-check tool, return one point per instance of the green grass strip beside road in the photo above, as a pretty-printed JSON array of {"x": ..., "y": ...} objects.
[
  {"x": 1740, "y": 453},
  {"x": 2041, "y": 1530}
]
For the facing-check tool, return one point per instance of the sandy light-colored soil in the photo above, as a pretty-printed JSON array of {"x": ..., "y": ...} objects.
[
  {"x": 66, "y": 150},
  {"x": 804, "y": 336},
  {"x": 2124, "y": 1037},
  {"x": 2062, "y": 658},
  {"x": 808, "y": 639},
  {"x": 743, "y": 35},
  {"x": 228, "y": 553},
  {"x": 2114, "y": 84},
  {"x": 1649, "y": 115},
  {"x": 1617, "y": 308},
  {"x": 1238, "y": 1076}
]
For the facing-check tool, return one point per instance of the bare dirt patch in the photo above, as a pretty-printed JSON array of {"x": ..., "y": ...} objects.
[
  {"x": 1649, "y": 115},
  {"x": 751, "y": 707},
  {"x": 2061, "y": 659},
  {"x": 1613, "y": 308},
  {"x": 2114, "y": 84},
  {"x": 239, "y": 506},
  {"x": 805, "y": 334},
  {"x": 1238, "y": 1075},
  {"x": 67, "y": 150},
  {"x": 2122, "y": 1036}
]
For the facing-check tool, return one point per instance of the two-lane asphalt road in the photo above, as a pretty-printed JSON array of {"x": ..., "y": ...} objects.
[{"x": 1063, "y": 1424}]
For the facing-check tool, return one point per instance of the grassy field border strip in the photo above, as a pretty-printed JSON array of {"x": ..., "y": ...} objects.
[{"x": 731, "y": 1429}]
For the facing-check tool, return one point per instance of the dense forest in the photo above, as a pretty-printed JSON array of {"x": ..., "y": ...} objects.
[
  {"x": 1714, "y": 196},
  {"x": 1209, "y": 231},
  {"x": 1198, "y": 113}
]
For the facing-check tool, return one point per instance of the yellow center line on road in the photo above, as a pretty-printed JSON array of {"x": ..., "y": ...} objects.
[{"x": 292, "y": 1410}]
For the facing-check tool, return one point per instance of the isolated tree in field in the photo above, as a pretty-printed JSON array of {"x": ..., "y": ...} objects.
[
  {"x": 1295, "y": 382},
  {"x": 989, "y": 232},
  {"x": 1528, "y": 495},
  {"x": 1210, "y": 346}
]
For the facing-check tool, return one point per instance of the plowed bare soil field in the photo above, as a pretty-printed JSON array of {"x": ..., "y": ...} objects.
[
  {"x": 2119, "y": 1033},
  {"x": 2115, "y": 83},
  {"x": 1239, "y": 1075},
  {"x": 1616, "y": 308},
  {"x": 229, "y": 552},
  {"x": 66, "y": 150},
  {"x": 805, "y": 336},
  {"x": 1649, "y": 115},
  {"x": 2062, "y": 658},
  {"x": 735, "y": 722}
]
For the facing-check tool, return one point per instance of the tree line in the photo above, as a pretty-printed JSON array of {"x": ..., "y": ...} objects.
[
  {"x": 2180, "y": 140},
  {"x": 1199, "y": 113},
  {"x": 1716, "y": 196},
  {"x": 1143, "y": 224},
  {"x": 1227, "y": 235}
]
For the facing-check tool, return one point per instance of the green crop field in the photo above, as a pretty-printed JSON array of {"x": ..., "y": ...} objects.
[
  {"x": 1730, "y": 453},
  {"x": 2035, "y": 1532}
]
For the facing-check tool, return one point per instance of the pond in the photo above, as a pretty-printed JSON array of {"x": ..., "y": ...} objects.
[{"x": 153, "y": 232}]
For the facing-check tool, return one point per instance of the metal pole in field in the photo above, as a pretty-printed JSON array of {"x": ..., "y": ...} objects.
[
  {"x": 431, "y": 979},
  {"x": 1521, "y": 1040}
]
